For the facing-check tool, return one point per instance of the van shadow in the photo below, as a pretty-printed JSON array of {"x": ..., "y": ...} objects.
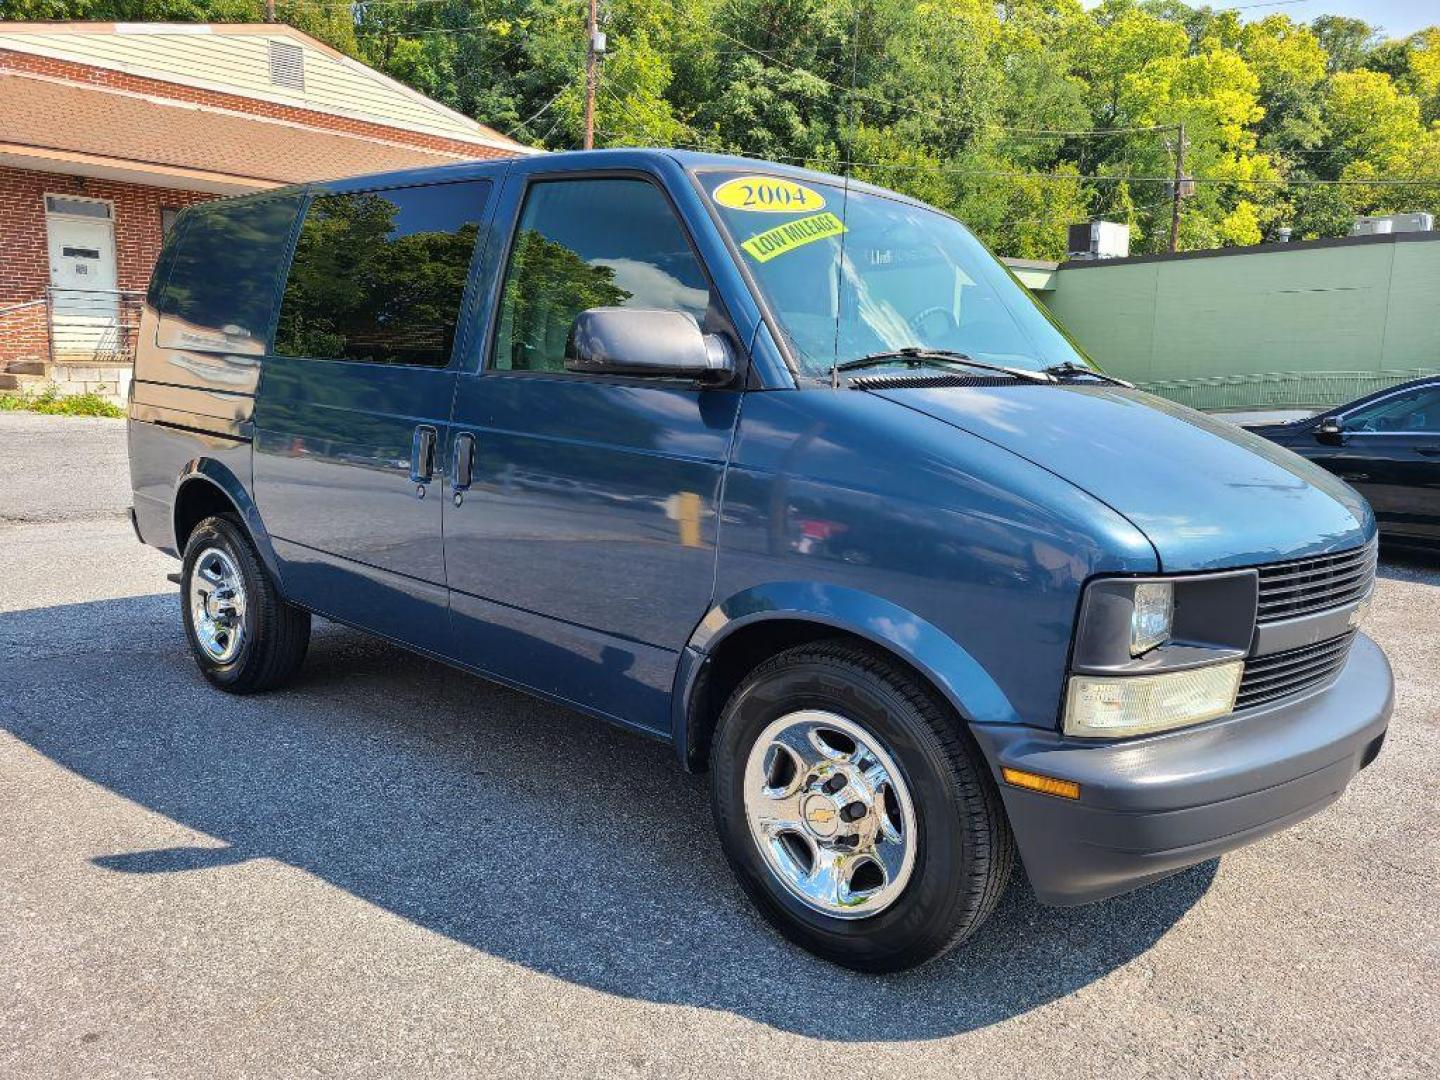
[{"x": 516, "y": 827}]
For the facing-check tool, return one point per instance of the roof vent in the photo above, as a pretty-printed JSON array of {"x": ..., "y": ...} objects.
[
  {"x": 1099, "y": 240},
  {"x": 287, "y": 65},
  {"x": 1392, "y": 223}
]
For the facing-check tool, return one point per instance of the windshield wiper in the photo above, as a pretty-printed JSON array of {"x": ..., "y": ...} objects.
[
  {"x": 915, "y": 357},
  {"x": 1071, "y": 370}
]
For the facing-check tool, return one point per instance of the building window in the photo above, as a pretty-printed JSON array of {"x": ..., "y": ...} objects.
[
  {"x": 91, "y": 208},
  {"x": 287, "y": 65},
  {"x": 168, "y": 214}
]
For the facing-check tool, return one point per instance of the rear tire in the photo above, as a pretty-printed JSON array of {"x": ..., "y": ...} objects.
[
  {"x": 243, "y": 634},
  {"x": 910, "y": 852}
]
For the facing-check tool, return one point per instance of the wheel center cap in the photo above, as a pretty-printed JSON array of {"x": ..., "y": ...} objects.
[{"x": 822, "y": 815}]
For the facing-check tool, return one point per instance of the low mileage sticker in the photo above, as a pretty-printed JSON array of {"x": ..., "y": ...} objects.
[{"x": 762, "y": 247}]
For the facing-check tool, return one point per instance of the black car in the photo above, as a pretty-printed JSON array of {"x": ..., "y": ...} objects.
[{"x": 1387, "y": 446}]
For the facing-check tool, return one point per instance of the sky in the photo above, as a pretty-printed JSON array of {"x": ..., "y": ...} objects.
[{"x": 1399, "y": 18}]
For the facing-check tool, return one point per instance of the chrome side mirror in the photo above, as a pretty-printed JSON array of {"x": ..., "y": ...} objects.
[{"x": 646, "y": 342}]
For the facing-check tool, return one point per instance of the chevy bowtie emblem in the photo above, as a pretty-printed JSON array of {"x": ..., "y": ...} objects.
[{"x": 820, "y": 815}]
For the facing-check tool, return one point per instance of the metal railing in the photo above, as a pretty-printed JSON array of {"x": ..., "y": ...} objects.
[
  {"x": 24, "y": 331},
  {"x": 9, "y": 310},
  {"x": 1280, "y": 389},
  {"x": 93, "y": 326}
]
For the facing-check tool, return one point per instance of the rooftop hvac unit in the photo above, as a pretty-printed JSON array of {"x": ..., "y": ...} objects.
[
  {"x": 1099, "y": 240},
  {"x": 1392, "y": 223}
]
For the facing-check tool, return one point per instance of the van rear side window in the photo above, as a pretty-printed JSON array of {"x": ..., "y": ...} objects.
[
  {"x": 223, "y": 269},
  {"x": 378, "y": 276}
]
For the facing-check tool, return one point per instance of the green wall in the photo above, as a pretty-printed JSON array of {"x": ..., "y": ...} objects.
[{"x": 1315, "y": 319}]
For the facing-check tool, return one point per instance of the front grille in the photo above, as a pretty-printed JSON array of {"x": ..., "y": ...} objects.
[
  {"x": 1296, "y": 588},
  {"x": 1280, "y": 674}
]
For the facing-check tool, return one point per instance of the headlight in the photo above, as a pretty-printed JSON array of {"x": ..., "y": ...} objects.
[
  {"x": 1151, "y": 619},
  {"x": 1158, "y": 653},
  {"x": 1116, "y": 706}
]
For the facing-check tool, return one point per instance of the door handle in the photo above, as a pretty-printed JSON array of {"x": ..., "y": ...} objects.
[
  {"x": 463, "y": 472},
  {"x": 1428, "y": 451},
  {"x": 422, "y": 455}
]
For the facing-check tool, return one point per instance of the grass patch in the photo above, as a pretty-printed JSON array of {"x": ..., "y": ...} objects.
[{"x": 52, "y": 403}]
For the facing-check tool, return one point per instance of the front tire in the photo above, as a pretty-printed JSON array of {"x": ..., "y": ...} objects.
[
  {"x": 856, "y": 812},
  {"x": 243, "y": 635}
]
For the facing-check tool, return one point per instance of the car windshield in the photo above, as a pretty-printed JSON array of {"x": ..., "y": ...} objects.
[{"x": 854, "y": 275}]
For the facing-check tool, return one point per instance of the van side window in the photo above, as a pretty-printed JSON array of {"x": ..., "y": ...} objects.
[
  {"x": 378, "y": 276},
  {"x": 590, "y": 243},
  {"x": 221, "y": 270}
]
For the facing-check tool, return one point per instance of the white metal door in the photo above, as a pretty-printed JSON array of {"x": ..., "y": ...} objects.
[{"x": 85, "y": 307}]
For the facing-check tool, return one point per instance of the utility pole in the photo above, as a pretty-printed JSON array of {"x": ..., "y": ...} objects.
[
  {"x": 1179, "y": 190},
  {"x": 592, "y": 72}
]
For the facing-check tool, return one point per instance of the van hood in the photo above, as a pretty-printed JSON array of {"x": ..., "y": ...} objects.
[{"x": 1207, "y": 493}]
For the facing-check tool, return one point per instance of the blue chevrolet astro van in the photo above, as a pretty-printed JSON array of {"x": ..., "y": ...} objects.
[{"x": 786, "y": 471}]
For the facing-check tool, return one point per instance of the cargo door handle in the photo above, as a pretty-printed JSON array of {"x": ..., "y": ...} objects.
[
  {"x": 464, "y": 467},
  {"x": 422, "y": 455}
]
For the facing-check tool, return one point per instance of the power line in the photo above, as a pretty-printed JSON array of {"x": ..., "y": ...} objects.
[
  {"x": 752, "y": 50},
  {"x": 1423, "y": 181},
  {"x": 1045, "y": 132},
  {"x": 364, "y": 5},
  {"x": 560, "y": 119},
  {"x": 1013, "y": 174},
  {"x": 744, "y": 47},
  {"x": 1270, "y": 3},
  {"x": 876, "y": 99},
  {"x": 454, "y": 30},
  {"x": 649, "y": 132},
  {"x": 543, "y": 108},
  {"x": 1036, "y": 134},
  {"x": 1093, "y": 217}
]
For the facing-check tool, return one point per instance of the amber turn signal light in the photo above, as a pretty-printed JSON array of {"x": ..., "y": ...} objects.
[{"x": 1046, "y": 785}]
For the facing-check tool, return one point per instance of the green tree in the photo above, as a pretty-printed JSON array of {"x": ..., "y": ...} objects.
[
  {"x": 964, "y": 103},
  {"x": 1346, "y": 41}
]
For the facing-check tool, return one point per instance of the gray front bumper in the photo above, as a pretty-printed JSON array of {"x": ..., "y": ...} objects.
[{"x": 1154, "y": 805}]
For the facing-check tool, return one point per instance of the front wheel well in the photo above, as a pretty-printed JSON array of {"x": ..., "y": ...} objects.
[
  {"x": 746, "y": 649},
  {"x": 194, "y": 502}
]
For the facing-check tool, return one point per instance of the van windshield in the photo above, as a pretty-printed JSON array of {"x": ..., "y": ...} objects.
[{"x": 878, "y": 275}]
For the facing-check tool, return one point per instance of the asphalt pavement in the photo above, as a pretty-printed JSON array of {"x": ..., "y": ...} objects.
[{"x": 394, "y": 869}]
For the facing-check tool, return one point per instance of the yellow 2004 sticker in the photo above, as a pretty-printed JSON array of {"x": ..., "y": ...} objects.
[
  {"x": 767, "y": 195},
  {"x": 762, "y": 247}
]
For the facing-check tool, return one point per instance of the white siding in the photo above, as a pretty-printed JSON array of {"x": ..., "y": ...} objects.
[{"x": 239, "y": 63}]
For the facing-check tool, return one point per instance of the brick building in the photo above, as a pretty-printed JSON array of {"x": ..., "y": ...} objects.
[{"x": 109, "y": 129}]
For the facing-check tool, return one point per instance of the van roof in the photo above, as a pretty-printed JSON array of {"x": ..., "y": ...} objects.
[{"x": 599, "y": 159}]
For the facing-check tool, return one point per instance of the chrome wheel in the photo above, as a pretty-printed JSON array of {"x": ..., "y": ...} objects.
[
  {"x": 217, "y": 605},
  {"x": 830, "y": 813}
]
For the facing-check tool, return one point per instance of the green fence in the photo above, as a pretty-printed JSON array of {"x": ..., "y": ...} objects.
[
  {"x": 1302, "y": 325},
  {"x": 1279, "y": 389}
]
